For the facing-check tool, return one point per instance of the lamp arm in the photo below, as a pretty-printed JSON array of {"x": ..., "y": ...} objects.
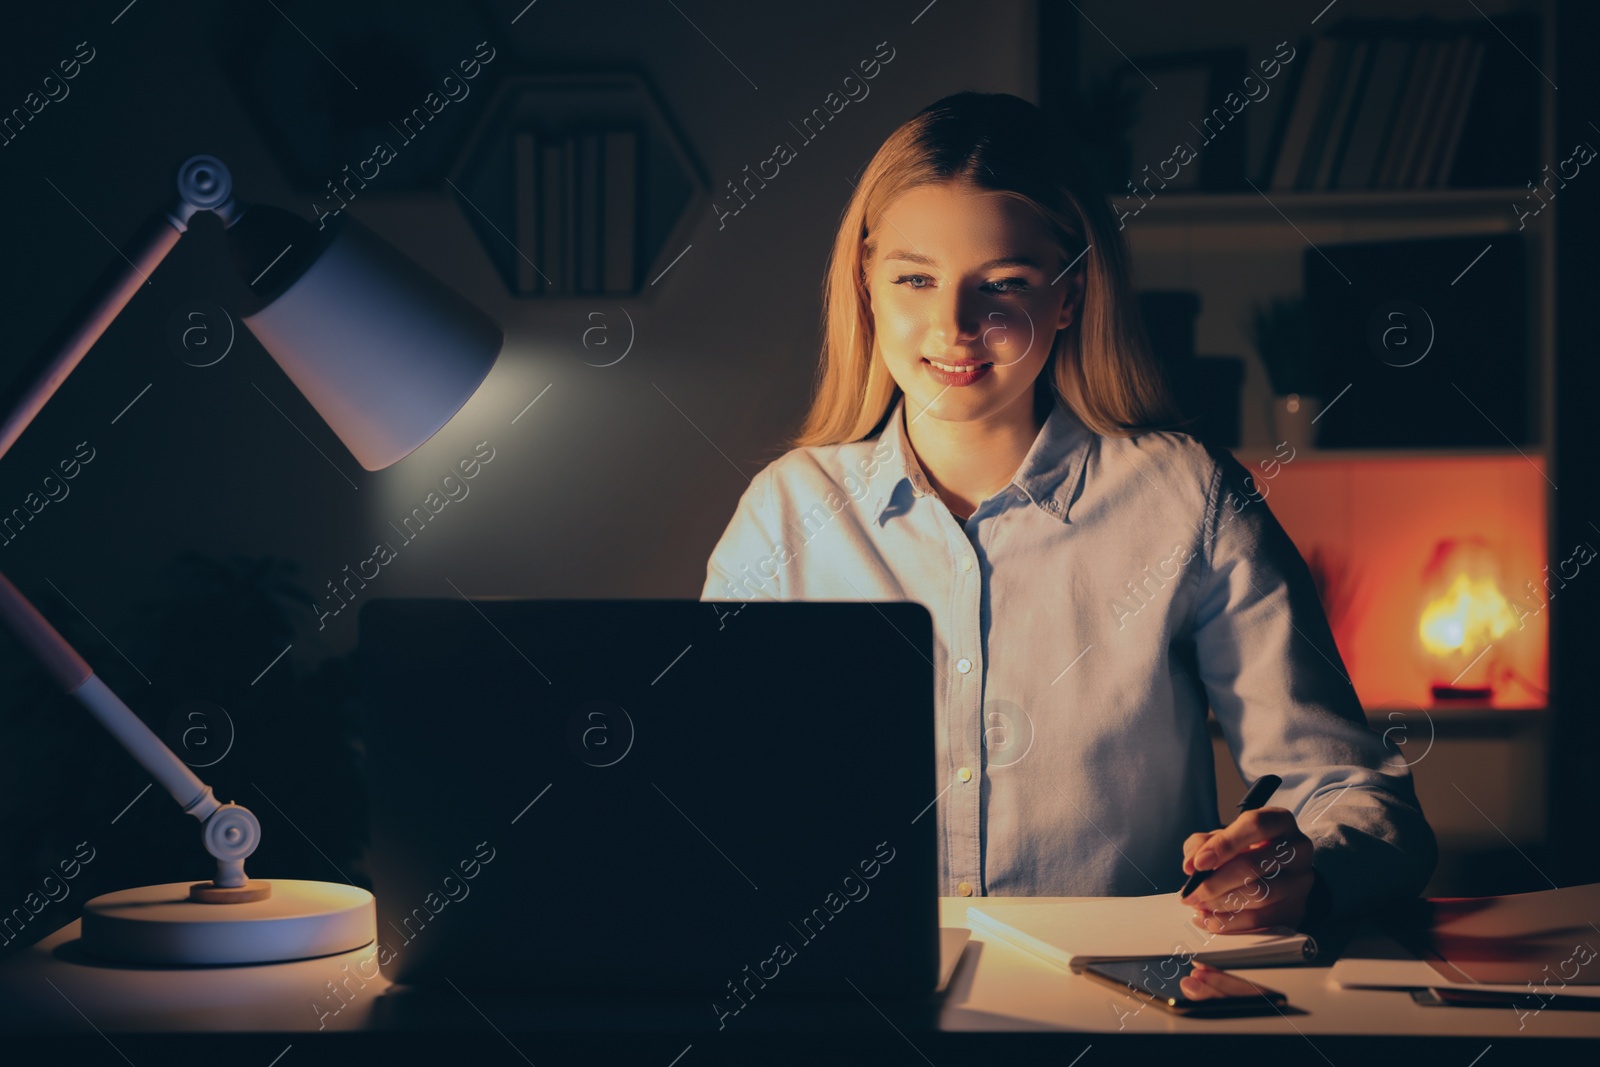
[
  {"x": 230, "y": 832},
  {"x": 77, "y": 679},
  {"x": 110, "y": 294},
  {"x": 204, "y": 184}
]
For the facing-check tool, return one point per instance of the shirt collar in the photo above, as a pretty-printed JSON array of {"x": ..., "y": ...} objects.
[{"x": 1049, "y": 474}]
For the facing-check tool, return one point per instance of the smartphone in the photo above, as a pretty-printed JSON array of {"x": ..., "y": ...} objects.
[{"x": 1192, "y": 989}]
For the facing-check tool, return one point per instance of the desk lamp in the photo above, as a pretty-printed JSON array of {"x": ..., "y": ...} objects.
[{"x": 387, "y": 355}]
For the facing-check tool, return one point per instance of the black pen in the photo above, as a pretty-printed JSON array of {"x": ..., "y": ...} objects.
[{"x": 1258, "y": 795}]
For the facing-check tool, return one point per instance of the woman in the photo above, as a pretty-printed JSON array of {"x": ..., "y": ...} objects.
[{"x": 989, "y": 437}]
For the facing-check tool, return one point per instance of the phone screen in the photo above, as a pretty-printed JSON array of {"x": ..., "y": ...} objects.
[{"x": 1187, "y": 986}]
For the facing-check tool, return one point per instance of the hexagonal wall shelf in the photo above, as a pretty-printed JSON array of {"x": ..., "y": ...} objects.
[{"x": 578, "y": 184}]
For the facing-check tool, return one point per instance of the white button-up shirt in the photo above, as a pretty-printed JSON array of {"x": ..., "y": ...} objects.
[{"x": 1084, "y": 618}]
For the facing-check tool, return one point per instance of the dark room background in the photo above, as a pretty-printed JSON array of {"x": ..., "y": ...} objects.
[{"x": 191, "y": 559}]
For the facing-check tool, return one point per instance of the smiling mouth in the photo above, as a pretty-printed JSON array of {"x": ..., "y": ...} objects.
[{"x": 955, "y": 368}]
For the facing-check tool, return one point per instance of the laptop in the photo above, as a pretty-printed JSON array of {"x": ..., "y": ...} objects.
[{"x": 711, "y": 800}]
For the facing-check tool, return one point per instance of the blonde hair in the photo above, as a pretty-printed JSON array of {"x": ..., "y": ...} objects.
[{"x": 1100, "y": 366}]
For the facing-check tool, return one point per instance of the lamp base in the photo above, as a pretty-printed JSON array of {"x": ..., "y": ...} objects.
[
  {"x": 159, "y": 924},
  {"x": 211, "y": 893},
  {"x": 1462, "y": 692}
]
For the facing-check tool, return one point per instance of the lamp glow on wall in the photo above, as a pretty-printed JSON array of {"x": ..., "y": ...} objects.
[
  {"x": 1464, "y": 614},
  {"x": 387, "y": 355}
]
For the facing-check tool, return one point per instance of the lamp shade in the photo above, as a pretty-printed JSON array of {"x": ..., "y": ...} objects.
[{"x": 384, "y": 351}]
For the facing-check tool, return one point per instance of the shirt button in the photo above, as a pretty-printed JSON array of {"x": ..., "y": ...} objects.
[
  {"x": 966, "y": 564},
  {"x": 963, "y": 665},
  {"x": 965, "y": 774},
  {"x": 965, "y": 889}
]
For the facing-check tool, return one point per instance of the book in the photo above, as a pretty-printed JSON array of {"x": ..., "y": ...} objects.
[
  {"x": 552, "y": 208},
  {"x": 1317, "y": 144},
  {"x": 569, "y": 214},
  {"x": 525, "y": 200},
  {"x": 1451, "y": 103},
  {"x": 1072, "y": 934},
  {"x": 1280, "y": 122},
  {"x": 1435, "y": 109},
  {"x": 1402, "y": 140},
  {"x": 620, "y": 213},
  {"x": 1375, "y": 114},
  {"x": 1395, "y": 127},
  {"x": 1491, "y": 356},
  {"x": 587, "y": 188},
  {"x": 1338, "y": 136},
  {"x": 1306, "y": 103},
  {"x": 1458, "y": 122}
]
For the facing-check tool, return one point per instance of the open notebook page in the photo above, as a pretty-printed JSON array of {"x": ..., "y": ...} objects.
[{"x": 1075, "y": 933}]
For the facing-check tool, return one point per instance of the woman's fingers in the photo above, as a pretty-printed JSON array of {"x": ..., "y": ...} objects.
[
  {"x": 1192, "y": 844},
  {"x": 1251, "y": 875},
  {"x": 1279, "y": 909},
  {"x": 1250, "y": 828},
  {"x": 1252, "y": 892},
  {"x": 1261, "y": 873}
]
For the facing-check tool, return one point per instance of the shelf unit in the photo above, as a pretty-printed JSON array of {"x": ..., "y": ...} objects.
[
  {"x": 664, "y": 176},
  {"x": 1236, "y": 248}
]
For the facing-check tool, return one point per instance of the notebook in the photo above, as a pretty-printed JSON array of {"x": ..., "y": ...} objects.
[
  {"x": 1075, "y": 933},
  {"x": 1548, "y": 941}
]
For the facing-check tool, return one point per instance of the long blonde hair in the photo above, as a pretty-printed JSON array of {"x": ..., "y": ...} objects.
[{"x": 1100, "y": 366}]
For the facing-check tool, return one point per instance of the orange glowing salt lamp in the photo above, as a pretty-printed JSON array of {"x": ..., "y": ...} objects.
[{"x": 1463, "y": 614}]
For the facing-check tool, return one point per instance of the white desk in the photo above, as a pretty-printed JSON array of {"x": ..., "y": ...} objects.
[
  {"x": 1005, "y": 988},
  {"x": 995, "y": 988}
]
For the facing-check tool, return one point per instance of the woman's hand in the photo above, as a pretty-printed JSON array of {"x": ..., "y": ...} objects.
[{"x": 1262, "y": 873}]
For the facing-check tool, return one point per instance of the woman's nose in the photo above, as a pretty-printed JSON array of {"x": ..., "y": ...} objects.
[{"x": 958, "y": 318}]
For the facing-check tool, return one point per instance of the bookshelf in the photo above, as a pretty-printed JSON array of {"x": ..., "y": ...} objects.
[
  {"x": 1239, "y": 246},
  {"x": 1379, "y": 506}
]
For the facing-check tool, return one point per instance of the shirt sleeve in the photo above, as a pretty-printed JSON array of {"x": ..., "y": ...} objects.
[
  {"x": 1280, "y": 691},
  {"x": 744, "y": 563}
]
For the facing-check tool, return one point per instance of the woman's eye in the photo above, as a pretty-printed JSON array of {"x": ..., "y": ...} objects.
[{"x": 1002, "y": 285}]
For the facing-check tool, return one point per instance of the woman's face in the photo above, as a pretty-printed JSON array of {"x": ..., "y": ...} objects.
[{"x": 969, "y": 278}]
